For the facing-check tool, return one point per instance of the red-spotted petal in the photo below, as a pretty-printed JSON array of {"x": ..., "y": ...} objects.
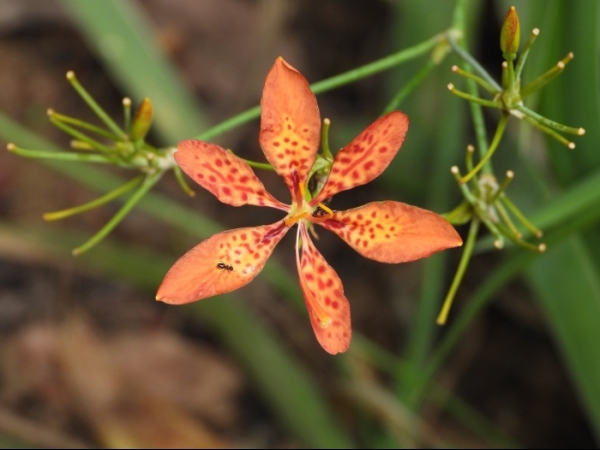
[
  {"x": 290, "y": 125},
  {"x": 328, "y": 307},
  {"x": 222, "y": 263},
  {"x": 393, "y": 232},
  {"x": 367, "y": 156},
  {"x": 222, "y": 173}
]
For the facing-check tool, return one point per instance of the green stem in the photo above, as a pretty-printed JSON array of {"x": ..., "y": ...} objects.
[
  {"x": 182, "y": 183},
  {"x": 473, "y": 63},
  {"x": 550, "y": 123},
  {"x": 550, "y": 132},
  {"x": 409, "y": 87},
  {"x": 82, "y": 124},
  {"x": 546, "y": 77},
  {"x": 474, "y": 99},
  {"x": 460, "y": 271},
  {"x": 494, "y": 145},
  {"x": 82, "y": 137},
  {"x": 149, "y": 181},
  {"x": 334, "y": 82},
  {"x": 59, "y": 156},
  {"x": 471, "y": 76},
  {"x": 94, "y": 203},
  {"x": 89, "y": 100},
  {"x": 524, "y": 53},
  {"x": 257, "y": 165},
  {"x": 521, "y": 217},
  {"x": 126, "y": 113},
  {"x": 325, "y": 140}
]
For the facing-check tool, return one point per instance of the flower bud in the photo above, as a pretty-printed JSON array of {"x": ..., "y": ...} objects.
[
  {"x": 510, "y": 34},
  {"x": 140, "y": 125}
]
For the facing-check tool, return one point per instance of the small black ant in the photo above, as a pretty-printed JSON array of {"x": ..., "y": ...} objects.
[{"x": 224, "y": 266}]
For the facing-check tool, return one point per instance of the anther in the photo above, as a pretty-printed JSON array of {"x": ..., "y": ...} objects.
[
  {"x": 70, "y": 75},
  {"x": 542, "y": 248}
]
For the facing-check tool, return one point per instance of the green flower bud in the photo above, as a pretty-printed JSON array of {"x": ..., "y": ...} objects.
[
  {"x": 510, "y": 34},
  {"x": 142, "y": 121}
]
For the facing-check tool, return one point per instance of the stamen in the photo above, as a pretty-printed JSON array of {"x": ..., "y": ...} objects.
[
  {"x": 326, "y": 209},
  {"x": 292, "y": 220}
]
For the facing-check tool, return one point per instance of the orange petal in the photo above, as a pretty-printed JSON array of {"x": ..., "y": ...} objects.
[
  {"x": 222, "y": 263},
  {"x": 328, "y": 307},
  {"x": 290, "y": 125},
  {"x": 367, "y": 156},
  {"x": 393, "y": 232},
  {"x": 222, "y": 173}
]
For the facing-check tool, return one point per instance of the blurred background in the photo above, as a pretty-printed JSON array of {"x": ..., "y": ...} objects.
[{"x": 88, "y": 358}]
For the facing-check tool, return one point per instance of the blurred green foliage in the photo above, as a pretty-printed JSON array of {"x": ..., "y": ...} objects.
[{"x": 564, "y": 200}]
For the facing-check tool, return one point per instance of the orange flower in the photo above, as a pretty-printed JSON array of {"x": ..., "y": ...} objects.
[{"x": 388, "y": 231}]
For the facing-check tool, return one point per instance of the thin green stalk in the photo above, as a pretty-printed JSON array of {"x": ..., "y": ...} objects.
[
  {"x": 549, "y": 131},
  {"x": 126, "y": 113},
  {"x": 326, "y": 150},
  {"x": 524, "y": 53},
  {"x": 257, "y": 165},
  {"x": 182, "y": 183},
  {"x": 94, "y": 203},
  {"x": 473, "y": 63},
  {"x": 409, "y": 87},
  {"x": 550, "y": 123},
  {"x": 521, "y": 217},
  {"x": 89, "y": 100},
  {"x": 82, "y": 124},
  {"x": 493, "y": 146},
  {"x": 544, "y": 78},
  {"x": 148, "y": 183},
  {"x": 460, "y": 271},
  {"x": 82, "y": 137},
  {"x": 473, "y": 98},
  {"x": 332, "y": 83},
  {"x": 471, "y": 76},
  {"x": 59, "y": 156},
  {"x": 508, "y": 221}
]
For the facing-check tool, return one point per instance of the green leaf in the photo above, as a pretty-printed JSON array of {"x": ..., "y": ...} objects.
[{"x": 567, "y": 285}]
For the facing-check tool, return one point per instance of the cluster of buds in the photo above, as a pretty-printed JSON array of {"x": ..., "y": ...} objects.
[
  {"x": 112, "y": 144},
  {"x": 485, "y": 200}
]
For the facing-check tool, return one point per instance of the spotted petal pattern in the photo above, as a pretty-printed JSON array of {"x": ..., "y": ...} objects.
[
  {"x": 222, "y": 263},
  {"x": 290, "y": 125},
  {"x": 367, "y": 156},
  {"x": 222, "y": 173},
  {"x": 328, "y": 307},
  {"x": 393, "y": 232}
]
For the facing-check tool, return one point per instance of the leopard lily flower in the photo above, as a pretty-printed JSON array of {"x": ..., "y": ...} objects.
[{"x": 388, "y": 231}]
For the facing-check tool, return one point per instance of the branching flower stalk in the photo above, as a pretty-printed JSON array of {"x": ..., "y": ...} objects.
[{"x": 485, "y": 200}]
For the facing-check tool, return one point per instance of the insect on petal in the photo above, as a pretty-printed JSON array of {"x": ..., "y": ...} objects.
[
  {"x": 224, "y": 262},
  {"x": 222, "y": 173},
  {"x": 367, "y": 156},
  {"x": 328, "y": 307},
  {"x": 393, "y": 232},
  {"x": 290, "y": 125}
]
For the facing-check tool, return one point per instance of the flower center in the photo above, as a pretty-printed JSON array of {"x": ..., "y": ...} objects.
[{"x": 303, "y": 209}]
